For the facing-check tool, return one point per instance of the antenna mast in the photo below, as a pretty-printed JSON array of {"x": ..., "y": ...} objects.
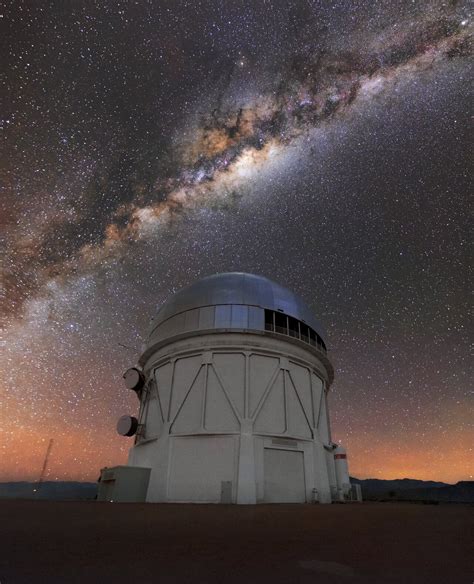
[{"x": 45, "y": 466}]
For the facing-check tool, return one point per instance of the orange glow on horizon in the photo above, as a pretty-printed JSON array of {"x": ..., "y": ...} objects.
[{"x": 78, "y": 455}]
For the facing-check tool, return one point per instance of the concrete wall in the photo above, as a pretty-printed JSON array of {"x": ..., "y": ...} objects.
[
  {"x": 214, "y": 403},
  {"x": 199, "y": 466},
  {"x": 123, "y": 484}
]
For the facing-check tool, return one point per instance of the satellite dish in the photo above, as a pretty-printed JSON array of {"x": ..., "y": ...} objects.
[
  {"x": 127, "y": 426},
  {"x": 134, "y": 379}
]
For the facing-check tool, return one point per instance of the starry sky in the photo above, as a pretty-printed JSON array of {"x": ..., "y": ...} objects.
[{"x": 322, "y": 144}]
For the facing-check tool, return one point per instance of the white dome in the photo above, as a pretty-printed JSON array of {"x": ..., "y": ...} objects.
[{"x": 224, "y": 291}]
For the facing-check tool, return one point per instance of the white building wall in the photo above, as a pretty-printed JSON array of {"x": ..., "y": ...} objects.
[
  {"x": 216, "y": 402},
  {"x": 199, "y": 466}
]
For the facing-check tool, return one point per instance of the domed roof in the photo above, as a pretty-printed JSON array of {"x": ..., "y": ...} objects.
[{"x": 238, "y": 288}]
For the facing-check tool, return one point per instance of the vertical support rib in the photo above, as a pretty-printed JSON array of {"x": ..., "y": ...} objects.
[
  {"x": 285, "y": 398},
  {"x": 170, "y": 400},
  {"x": 247, "y": 385},
  {"x": 204, "y": 396}
]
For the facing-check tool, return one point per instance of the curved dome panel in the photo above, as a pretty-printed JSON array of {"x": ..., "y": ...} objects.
[{"x": 237, "y": 288}]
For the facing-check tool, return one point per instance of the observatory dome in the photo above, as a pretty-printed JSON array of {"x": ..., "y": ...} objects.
[
  {"x": 235, "y": 300},
  {"x": 232, "y": 386}
]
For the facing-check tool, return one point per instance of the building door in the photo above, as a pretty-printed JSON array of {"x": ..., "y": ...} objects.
[
  {"x": 226, "y": 492},
  {"x": 284, "y": 476}
]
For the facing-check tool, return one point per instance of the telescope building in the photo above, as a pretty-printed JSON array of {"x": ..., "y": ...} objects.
[{"x": 232, "y": 386}]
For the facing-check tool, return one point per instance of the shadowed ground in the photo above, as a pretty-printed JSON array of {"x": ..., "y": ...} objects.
[{"x": 356, "y": 543}]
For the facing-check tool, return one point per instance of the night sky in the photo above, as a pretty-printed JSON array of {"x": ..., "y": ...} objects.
[{"x": 322, "y": 144}]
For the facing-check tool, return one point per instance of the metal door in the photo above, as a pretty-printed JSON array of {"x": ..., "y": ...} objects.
[
  {"x": 226, "y": 492},
  {"x": 284, "y": 476}
]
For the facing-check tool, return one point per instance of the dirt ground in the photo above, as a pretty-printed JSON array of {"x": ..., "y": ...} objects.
[{"x": 88, "y": 542}]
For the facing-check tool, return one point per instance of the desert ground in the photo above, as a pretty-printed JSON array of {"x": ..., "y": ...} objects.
[{"x": 69, "y": 542}]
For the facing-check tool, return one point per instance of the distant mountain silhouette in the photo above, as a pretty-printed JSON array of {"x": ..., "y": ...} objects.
[
  {"x": 415, "y": 490},
  {"x": 372, "y": 489},
  {"x": 381, "y": 485},
  {"x": 49, "y": 490}
]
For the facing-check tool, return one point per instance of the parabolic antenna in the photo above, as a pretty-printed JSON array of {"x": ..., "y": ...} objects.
[
  {"x": 134, "y": 379},
  {"x": 127, "y": 426}
]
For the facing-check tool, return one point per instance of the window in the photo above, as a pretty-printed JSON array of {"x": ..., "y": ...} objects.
[
  {"x": 287, "y": 325},
  {"x": 321, "y": 342},
  {"x": 269, "y": 320},
  {"x": 293, "y": 327},
  {"x": 304, "y": 332},
  {"x": 281, "y": 323}
]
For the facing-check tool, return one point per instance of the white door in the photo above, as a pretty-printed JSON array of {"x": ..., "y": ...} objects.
[{"x": 284, "y": 476}]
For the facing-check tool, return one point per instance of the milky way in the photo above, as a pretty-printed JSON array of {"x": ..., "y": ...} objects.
[{"x": 149, "y": 146}]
